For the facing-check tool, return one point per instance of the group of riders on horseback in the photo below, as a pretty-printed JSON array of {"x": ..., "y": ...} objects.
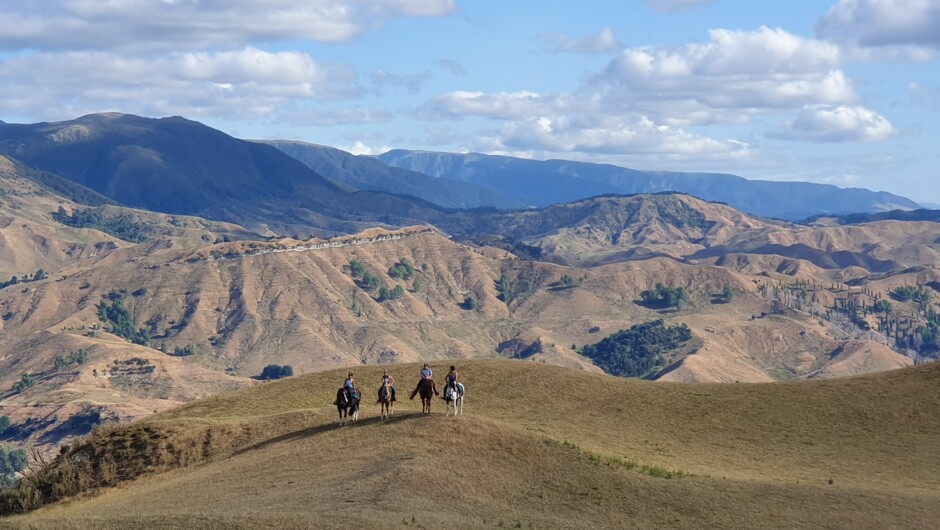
[
  {"x": 427, "y": 378},
  {"x": 453, "y": 390}
]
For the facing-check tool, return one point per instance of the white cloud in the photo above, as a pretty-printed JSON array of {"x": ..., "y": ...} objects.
[
  {"x": 837, "y": 124},
  {"x": 734, "y": 70},
  {"x": 501, "y": 105},
  {"x": 247, "y": 83},
  {"x": 602, "y": 42},
  {"x": 360, "y": 148},
  {"x": 605, "y": 135},
  {"x": 195, "y": 24},
  {"x": 671, "y": 6},
  {"x": 883, "y": 23},
  {"x": 646, "y": 100}
]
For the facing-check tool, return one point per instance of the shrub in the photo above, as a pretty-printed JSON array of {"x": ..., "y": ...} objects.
[
  {"x": 25, "y": 383},
  {"x": 12, "y": 461},
  {"x": 469, "y": 302}
]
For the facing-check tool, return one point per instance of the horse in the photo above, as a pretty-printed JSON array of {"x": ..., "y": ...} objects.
[
  {"x": 346, "y": 407},
  {"x": 426, "y": 391},
  {"x": 453, "y": 394},
  {"x": 385, "y": 400}
]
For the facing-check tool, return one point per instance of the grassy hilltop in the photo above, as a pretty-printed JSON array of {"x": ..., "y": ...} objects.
[{"x": 539, "y": 447}]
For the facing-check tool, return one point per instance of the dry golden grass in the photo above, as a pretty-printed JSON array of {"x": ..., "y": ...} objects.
[{"x": 540, "y": 447}]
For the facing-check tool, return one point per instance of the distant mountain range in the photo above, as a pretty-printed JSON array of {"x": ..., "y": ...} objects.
[
  {"x": 368, "y": 173},
  {"x": 557, "y": 181},
  {"x": 178, "y": 166},
  {"x": 174, "y": 165}
]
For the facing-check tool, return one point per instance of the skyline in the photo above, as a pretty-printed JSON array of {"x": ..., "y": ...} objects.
[{"x": 840, "y": 92}]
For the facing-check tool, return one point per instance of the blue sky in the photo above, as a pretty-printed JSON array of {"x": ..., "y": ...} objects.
[{"x": 845, "y": 92}]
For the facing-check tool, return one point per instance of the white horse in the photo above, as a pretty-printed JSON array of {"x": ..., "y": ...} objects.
[{"x": 457, "y": 400}]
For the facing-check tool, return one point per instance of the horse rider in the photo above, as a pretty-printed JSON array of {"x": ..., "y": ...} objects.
[
  {"x": 390, "y": 381},
  {"x": 451, "y": 381},
  {"x": 426, "y": 375},
  {"x": 350, "y": 386}
]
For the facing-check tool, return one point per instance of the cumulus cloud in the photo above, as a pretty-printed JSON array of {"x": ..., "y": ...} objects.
[
  {"x": 671, "y": 6},
  {"x": 602, "y": 42},
  {"x": 837, "y": 124},
  {"x": 360, "y": 148},
  {"x": 739, "y": 70},
  {"x": 165, "y": 24},
  {"x": 604, "y": 135},
  {"x": 646, "y": 100},
  {"x": 882, "y": 23},
  {"x": 247, "y": 83}
]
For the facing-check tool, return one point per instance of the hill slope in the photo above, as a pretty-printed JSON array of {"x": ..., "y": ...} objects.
[
  {"x": 555, "y": 181},
  {"x": 850, "y": 453},
  {"x": 173, "y": 165}
]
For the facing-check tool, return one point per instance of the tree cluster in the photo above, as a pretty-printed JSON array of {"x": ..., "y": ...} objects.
[
  {"x": 276, "y": 371},
  {"x": 402, "y": 270},
  {"x": 639, "y": 351},
  {"x": 121, "y": 322},
  {"x": 38, "y": 275},
  {"x": 121, "y": 226},
  {"x": 391, "y": 294},
  {"x": 666, "y": 296}
]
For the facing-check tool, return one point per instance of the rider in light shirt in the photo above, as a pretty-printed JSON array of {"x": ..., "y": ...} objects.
[{"x": 426, "y": 375}]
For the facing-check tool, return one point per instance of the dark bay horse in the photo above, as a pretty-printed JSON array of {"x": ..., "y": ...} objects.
[
  {"x": 346, "y": 407},
  {"x": 426, "y": 391},
  {"x": 385, "y": 400}
]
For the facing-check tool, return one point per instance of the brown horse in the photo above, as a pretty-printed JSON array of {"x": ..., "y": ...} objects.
[
  {"x": 385, "y": 400},
  {"x": 426, "y": 391},
  {"x": 346, "y": 407}
]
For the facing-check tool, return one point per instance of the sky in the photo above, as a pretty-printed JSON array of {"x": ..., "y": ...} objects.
[{"x": 844, "y": 92}]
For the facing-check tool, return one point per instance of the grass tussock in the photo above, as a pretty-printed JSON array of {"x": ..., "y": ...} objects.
[{"x": 110, "y": 455}]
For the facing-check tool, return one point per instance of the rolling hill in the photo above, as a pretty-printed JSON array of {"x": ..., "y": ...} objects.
[
  {"x": 177, "y": 166},
  {"x": 583, "y": 450},
  {"x": 557, "y": 181}
]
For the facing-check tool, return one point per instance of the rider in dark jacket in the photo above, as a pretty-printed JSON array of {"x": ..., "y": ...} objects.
[{"x": 451, "y": 381}]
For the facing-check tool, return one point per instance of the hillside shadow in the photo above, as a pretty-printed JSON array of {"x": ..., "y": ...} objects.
[{"x": 321, "y": 429}]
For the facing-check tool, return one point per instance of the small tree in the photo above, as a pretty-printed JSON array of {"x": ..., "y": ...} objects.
[
  {"x": 727, "y": 293},
  {"x": 369, "y": 282},
  {"x": 567, "y": 280},
  {"x": 60, "y": 363},
  {"x": 4, "y": 424},
  {"x": 469, "y": 302},
  {"x": 25, "y": 383},
  {"x": 12, "y": 461}
]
